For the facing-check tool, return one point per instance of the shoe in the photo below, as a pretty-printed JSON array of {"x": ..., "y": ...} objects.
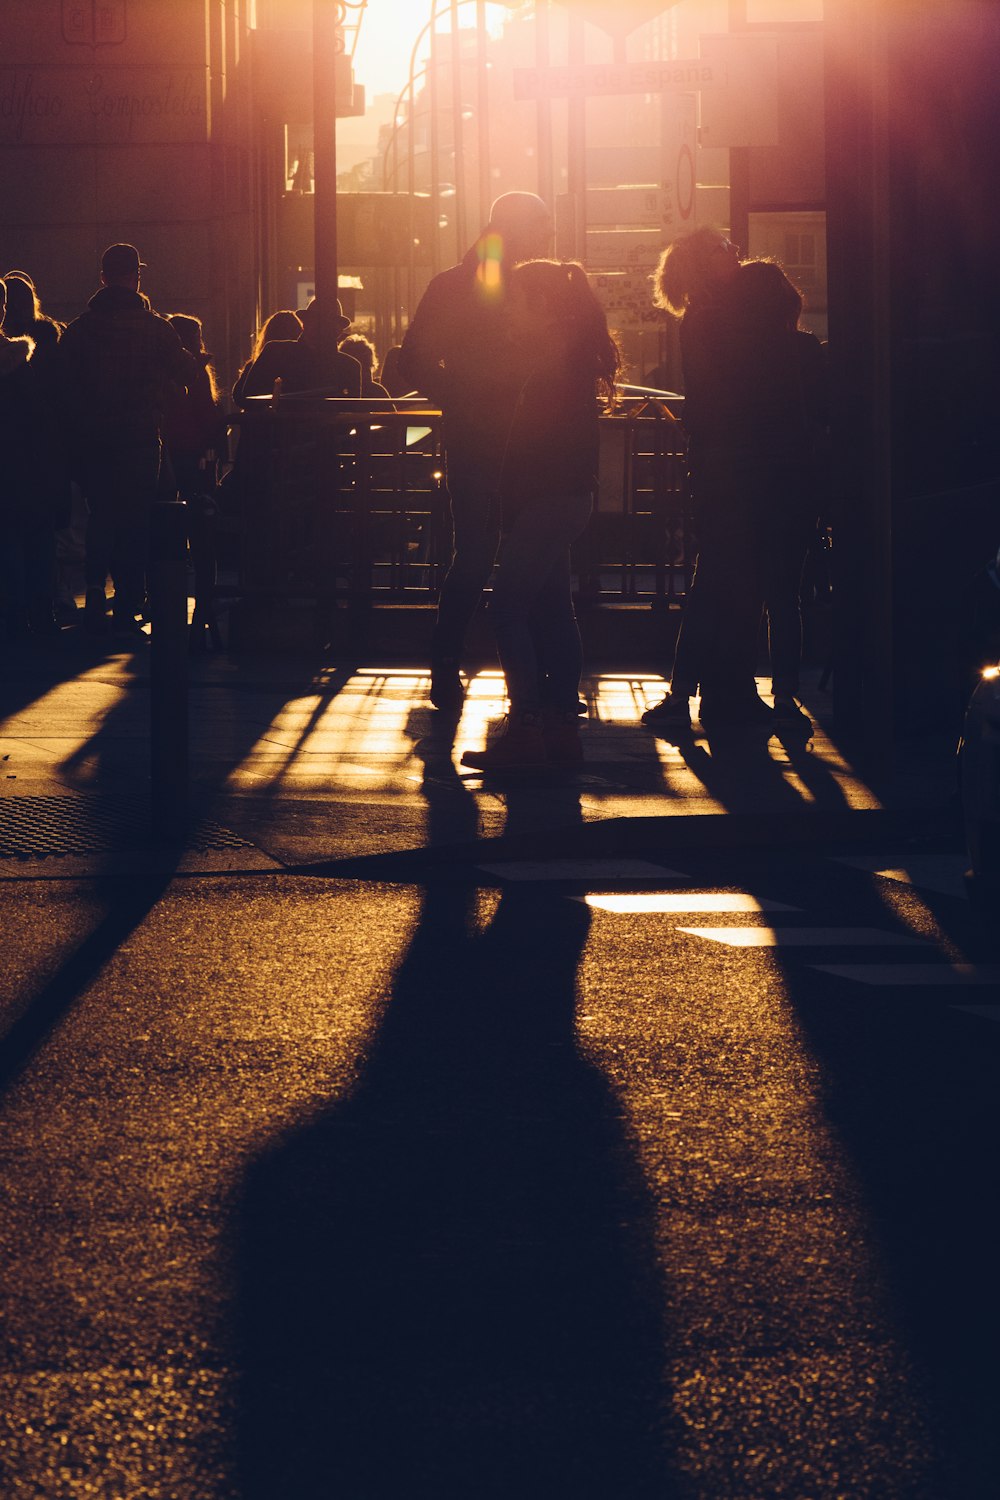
[
  {"x": 563, "y": 746},
  {"x": 672, "y": 712},
  {"x": 447, "y": 688},
  {"x": 787, "y": 714},
  {"x": 749, "y": 713},
  {"x": 519, "y": 747}
]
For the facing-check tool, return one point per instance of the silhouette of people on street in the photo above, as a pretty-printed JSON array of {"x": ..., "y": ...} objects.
[
  {"x": 117, "y": 364},
  {"x": 301, "y": 366},
  {"x": 548, "y": 476},
  {"x": 456, "y": 353}
]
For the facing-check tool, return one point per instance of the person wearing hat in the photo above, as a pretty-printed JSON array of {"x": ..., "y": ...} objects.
[
  {"x": 456, "y": 353},
  {"x": 300, "y": 365},
  {"x": 116, "y": 364}
]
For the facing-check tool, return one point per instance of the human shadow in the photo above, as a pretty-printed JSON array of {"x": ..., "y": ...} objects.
[
  {"x": 128, "y": 901},
  {"x": 747, "y": 771},
  {"x": 909, "y": 1086},
  {"x": 447, "y": 1281}
]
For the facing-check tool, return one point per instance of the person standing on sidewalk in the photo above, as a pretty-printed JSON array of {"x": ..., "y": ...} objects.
[
  {"x": 698, "y": 280},
  {"x": 455, "y": 352},
  {"x": 117, "y": 362},
  {"x": 567, "y": 359}
]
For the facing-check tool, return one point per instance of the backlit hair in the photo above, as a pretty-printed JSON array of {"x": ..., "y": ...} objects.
[
  {"x": 284, "y": 324},
  {"x": 684, "y": 273},
  {"x": 558, "y": 291}
]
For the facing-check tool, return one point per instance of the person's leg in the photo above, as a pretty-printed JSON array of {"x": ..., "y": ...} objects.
[
  {"x": 135, "y": 475},
  {"x": 475, "y": 515},
  {"x": 531, "y": 596},
  {"x": 733, "y": 593},
  {"x": 787, "y": 544},
  {"x": 98, "y": 538}
]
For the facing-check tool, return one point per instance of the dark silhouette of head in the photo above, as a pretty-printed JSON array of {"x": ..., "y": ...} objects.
[
  {"x": 23, "y": 310},
  {"x": 188, "y": 329},
  {"x": 524, "y": 225},
  {"x": 770, "y": 298},
  {"x": 121, "y": 266},
  {"x": 361, "y": 349},
  {"x": 694, "y": 269},
  {"x": 553, "y": 300},
  {"x": 284, "y": 324},
  {"x": 309, "y": 318}
]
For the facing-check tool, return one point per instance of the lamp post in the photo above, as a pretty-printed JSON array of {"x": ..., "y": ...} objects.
[{"x": 327, "y": 46}]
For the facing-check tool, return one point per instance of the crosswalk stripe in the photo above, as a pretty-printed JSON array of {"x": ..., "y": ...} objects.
[
  {"x": 595, "y": 871},
  {"x": 640, "y": 902},
  {"x": 941, "y": 873},
  {"x": 802, "y": 937},
  {"x": 927, "y": 975}
]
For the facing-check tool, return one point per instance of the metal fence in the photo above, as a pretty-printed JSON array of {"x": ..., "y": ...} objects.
[{"x": 345, "y": 502}]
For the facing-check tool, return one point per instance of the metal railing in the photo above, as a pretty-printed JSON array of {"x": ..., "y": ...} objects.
[{"x": 344, "y": 502}]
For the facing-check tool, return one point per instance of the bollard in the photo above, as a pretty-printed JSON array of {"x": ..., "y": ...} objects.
[{"x": 168, "y": 671}]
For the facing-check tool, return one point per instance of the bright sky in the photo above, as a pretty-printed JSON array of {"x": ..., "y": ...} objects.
[{"x": 389, "y": 29}]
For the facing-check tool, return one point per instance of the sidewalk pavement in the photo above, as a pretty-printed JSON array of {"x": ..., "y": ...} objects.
[{"x": 301, "y": 762}]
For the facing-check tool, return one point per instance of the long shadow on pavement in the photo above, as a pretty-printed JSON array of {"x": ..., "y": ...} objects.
[
  {"x": 448, "y": 1281},
  {"x": 910, "y": 1087},
  {"x": 129, "y": 902}
]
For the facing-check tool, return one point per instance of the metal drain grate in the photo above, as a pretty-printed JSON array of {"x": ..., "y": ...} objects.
[{"x": 93, "y": 824}]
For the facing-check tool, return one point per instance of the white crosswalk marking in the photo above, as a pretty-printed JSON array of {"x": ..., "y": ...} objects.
[
  {"x": 942, "y": 873},
  {"x": 681, "y": 901},
  {"x": 930, "y": 975},
  {"x": 802, "y": 937},
  {"x": 592, "y": 870}
]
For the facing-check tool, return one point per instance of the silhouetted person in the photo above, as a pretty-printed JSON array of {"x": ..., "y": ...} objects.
[
  {"x": 36, "y": 480},
  {"x": 194, "y": 423},
  {"x": 559, "y": 333},
  {"x": 117, "y": 364},
  {"x": 300, "y": 364},
  {"x": 363, "y": 350},
  {"x": 195, "y": 430},
  {"x": 784, "y": 442},
  {"x": 390, "y": 374},
  {"x": 284, "y": 324},
  {"x": 696, "y": 281},
  {"x": 24, "y": 315},
  {"x": 455, "y": 352}
]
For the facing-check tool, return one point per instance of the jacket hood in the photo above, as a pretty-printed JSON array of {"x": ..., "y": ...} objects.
[{"x": 14, "y": 353}]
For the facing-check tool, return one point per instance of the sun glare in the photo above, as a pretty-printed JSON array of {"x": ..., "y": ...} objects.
[{"x": 389, "y": 30}]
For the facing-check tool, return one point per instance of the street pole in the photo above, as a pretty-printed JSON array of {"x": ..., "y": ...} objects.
[
  {"x": 435, "y": 135},
  {"x": 483, "y": 114},
  {"x": 577, "y": 164},
  {"x": 457, "y": 133},
  {"x": 328, "y": 42},
  {"x": 543, "y": 109}
]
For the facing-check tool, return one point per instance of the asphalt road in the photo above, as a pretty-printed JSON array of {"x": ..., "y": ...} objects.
[{"x": 461, "y": 1184}]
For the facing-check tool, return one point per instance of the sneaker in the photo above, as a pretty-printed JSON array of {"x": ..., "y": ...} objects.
[
  {"x": 788, "y": 714},
  {"x": 672, "y": 712},
  {"x": 447, "y": 688},
  {"x": 519, "y": 747}
]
